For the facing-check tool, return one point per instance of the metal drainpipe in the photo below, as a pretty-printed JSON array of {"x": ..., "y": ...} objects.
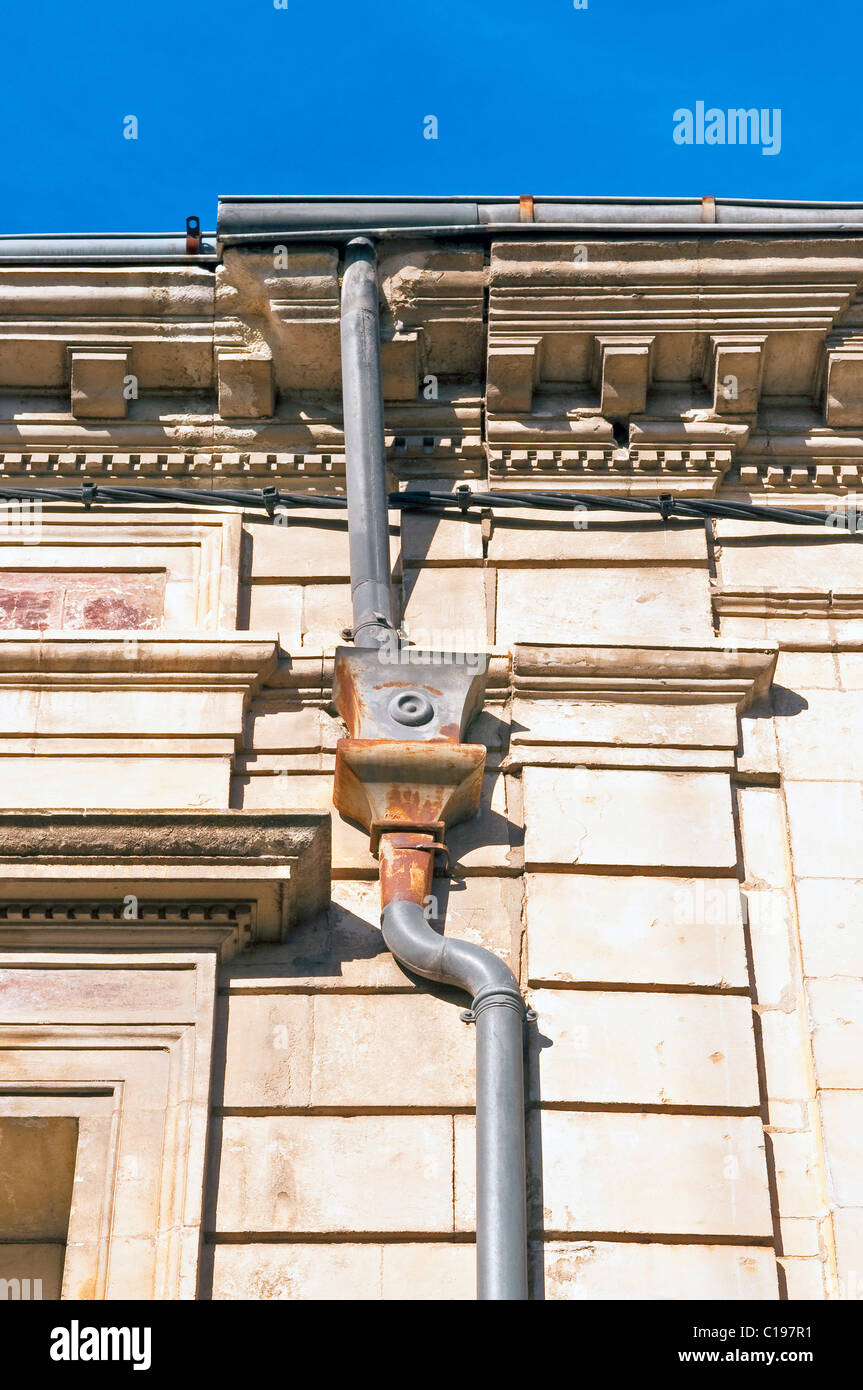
[
  {"x": 366, "y": 469},
  {"x": 407, "y": 859},
  {"x": 407, "y": 863}
]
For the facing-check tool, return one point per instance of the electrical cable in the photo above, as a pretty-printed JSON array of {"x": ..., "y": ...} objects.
[{"x": 270, "y": 500}]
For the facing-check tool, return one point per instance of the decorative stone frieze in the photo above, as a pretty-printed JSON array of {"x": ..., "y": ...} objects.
[
  {"x": 452, "y": 453},
  {"x": 686, "y": 471}
]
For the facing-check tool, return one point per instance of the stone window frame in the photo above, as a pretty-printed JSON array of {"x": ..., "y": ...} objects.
[
  {"x": 135, "y": 1223},
  {"x": 215, "y": 534},
  {"x": 97, "y": 1108},
  {"x": 209, "y": 884}
]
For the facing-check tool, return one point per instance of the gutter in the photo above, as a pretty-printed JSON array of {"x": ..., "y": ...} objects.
[
  {"x": 405, "y": 774},
  {"x": 250, "y": 220},
  {"x": 262, "y": 219},
  {"x": 97, "y": 248}
]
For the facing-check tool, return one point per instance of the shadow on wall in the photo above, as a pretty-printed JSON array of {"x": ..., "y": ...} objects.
[
  {"x": 786, "y": 703},
  {"x": 534, "y": 1042},
  {"x": 780, "y": 703},
  {"x": 321, "y": 947}
]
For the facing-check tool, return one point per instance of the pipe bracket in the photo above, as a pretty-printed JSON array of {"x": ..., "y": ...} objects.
[{"x": 496, "y": 996}]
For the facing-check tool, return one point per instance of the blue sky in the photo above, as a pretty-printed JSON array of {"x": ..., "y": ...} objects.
[{"x": 328, "y": 96}]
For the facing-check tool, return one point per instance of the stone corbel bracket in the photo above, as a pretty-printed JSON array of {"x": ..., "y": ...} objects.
[
  {"x": 513, "y": 372},
  {"x": 98, "y": 381},
  {"x": 737, "y": 674},
  {"x": 282, "y": 303},
  {"x": 400, "y": 365},
  {"x": 285, "y": 301},
  {"x": 733, "y": 372},
  {"x": 638, "y": 707},
  {"x": 621, "y": 370},
  {"x": 162, "y": 878},
  {"x": 245, "y": 384},
  {"x": 437, "y": 291},
  {"x": 840, "y": 383}
]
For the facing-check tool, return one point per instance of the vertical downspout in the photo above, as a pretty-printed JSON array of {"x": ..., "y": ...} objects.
[
  {"x": 366, "y": 467},
  {"x": 498, "y": 1011},
  {"x": 412, "y": 779}
]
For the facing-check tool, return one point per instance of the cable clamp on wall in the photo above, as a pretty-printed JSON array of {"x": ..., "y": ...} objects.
[
  {"x": 464, "y": 497},
  {"x": 270, "y": 498}
]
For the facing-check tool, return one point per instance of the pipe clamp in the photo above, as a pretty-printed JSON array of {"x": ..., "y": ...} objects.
[{"x": 495, "y": 996}]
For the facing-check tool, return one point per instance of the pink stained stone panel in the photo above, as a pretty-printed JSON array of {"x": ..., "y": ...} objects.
[
  {"x": 82, "y": 602},
  {"x": 31, "y": 608}
]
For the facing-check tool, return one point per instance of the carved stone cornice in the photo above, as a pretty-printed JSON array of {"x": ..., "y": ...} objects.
[
  {"x": 648, "y": 674},
  {"x": 194, "y": 451},
  {"x": 104, "y": 925},
  {"x": 689, "y": 471},
  {"x": 164, "y": 837},
  {"x": 788, "y": 603},
  {"x": 182, "y": 861},
  {"x": 671, "y": 286},
  {"x": 836, "y": 476},
  {"x": 238, "y": 660},
  {"x": 643, "y": 333}
]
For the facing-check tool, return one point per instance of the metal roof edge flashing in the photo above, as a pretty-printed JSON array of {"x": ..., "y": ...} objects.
[
  {"x": 106, "y": 248},
  {"x": 261, "y": 220},
  {"x": 249, "y": 220}
]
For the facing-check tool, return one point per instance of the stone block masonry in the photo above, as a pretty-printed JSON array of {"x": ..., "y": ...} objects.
[{"x": 667, "y": 847}]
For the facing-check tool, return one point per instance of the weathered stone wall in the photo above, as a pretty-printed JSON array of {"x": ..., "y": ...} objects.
[
  {"x": 667, "y": 845},
  {"x": 604, "y": 868}
]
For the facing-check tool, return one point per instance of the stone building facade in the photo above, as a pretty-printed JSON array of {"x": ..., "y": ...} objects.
[{"x": 215, "y": 1080}]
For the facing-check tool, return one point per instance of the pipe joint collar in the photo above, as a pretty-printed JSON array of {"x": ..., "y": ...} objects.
[{"x": 495, "y": 996}]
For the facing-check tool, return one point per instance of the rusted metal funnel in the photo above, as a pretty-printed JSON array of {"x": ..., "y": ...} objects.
[{"x": 404, "y": 767}]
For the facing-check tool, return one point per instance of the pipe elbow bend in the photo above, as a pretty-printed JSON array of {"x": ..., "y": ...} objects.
[{"x": 418, "y": 946}]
